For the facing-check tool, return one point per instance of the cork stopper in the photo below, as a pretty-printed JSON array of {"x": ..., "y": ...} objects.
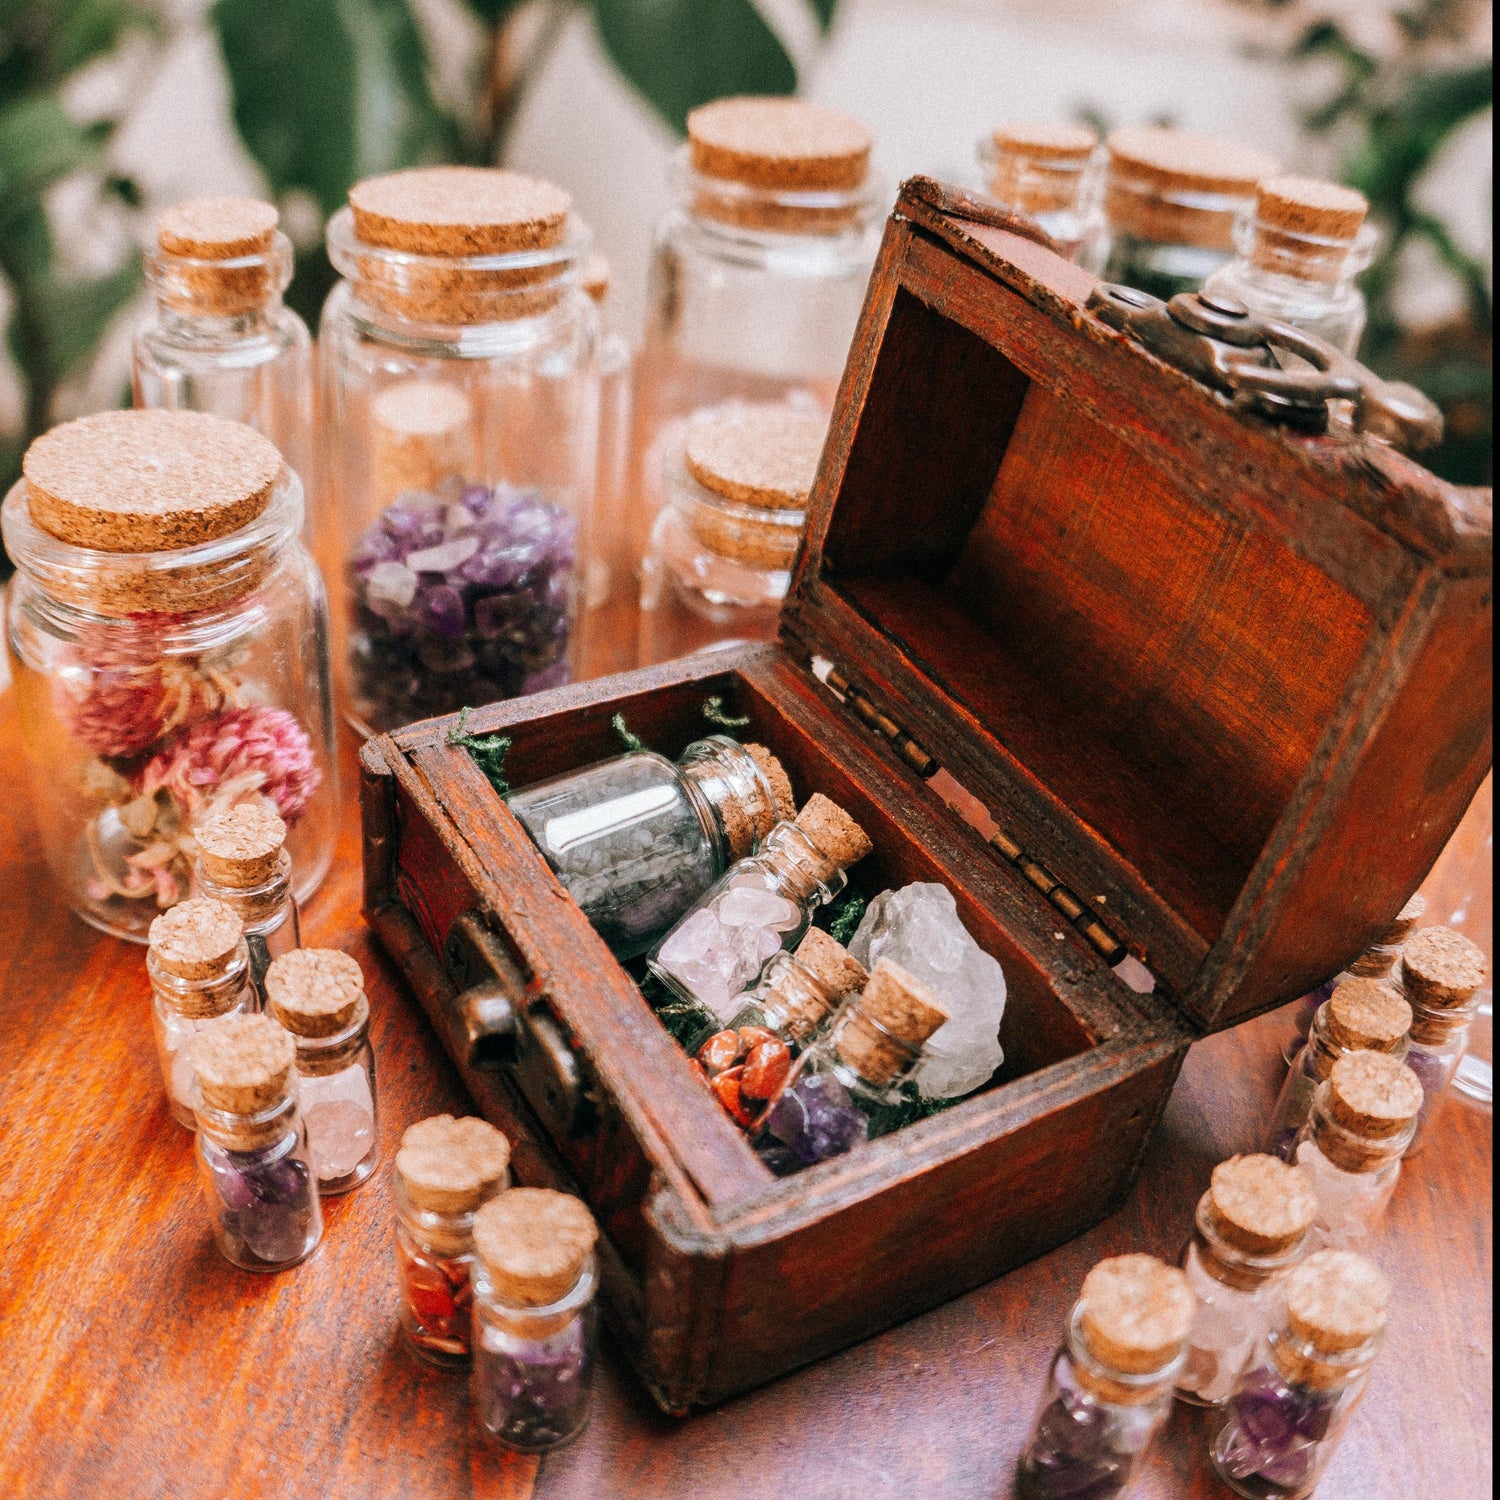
[
  {"x": 765, "y": 455},
  {"x": 778, "y": 143},
  {"x": 839, "y": 840},
  {"x": 1364, "y": 1014},
  {"x": 1404, "y": 923},
  {"x": 1135, "y": 1313},
  {"x": 1261, "y": 1205},
  {"x": 534, "y": 1244},
  {"x": 217, "y": 228},
  {"x": 316, "y": 991},
  {"x": 241, "y": 846},
  {"x": 784, "y": 805},
  {"x": 458, "y": 211},
  {"x": 894, "y": 1017},
  {"x": 243, "y": 1063},
  {"x": 1336, "y": 1300},
  {"x": 1037, "y": 166},
  {"x": 422, "y": 432},
  {"x": 147, "y": 481},
  {"x": 450, "y": 1166},
  {"x": 1305, "y": 227},
  {"x": 1373, "y": 1096},
  {"x": 831, "y": 963},
  {"x": 1441, "y": 969},
  {"x": 1057, "y": 140},
  {"x": 196, "y": 939}
]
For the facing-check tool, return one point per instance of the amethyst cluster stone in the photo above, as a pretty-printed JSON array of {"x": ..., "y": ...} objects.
[
  {"x": 812, "y": 1121},
  {"x": 462, "y": 596},
  {"x": 1276, "y": 1439}
]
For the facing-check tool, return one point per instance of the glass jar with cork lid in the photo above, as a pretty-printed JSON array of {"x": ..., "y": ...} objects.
[
  {"x": 1441, "y": 974},
  {"x": 461, "y": 407},
  {"x": 169, "y": 635},
  {"x": 1051, "y": 172}
]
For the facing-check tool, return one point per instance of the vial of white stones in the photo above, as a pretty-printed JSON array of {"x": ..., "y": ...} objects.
[
  {"x": 318, "y": 995},
  {"x": 200, "y": 969},
  {"x": 1250, "y": 1228},
  {"x": 1288, "y": 1416},
  {"x": 1110, "y": 1384},
  {"x": 1051, "y": 172},
  {"x": 446, "y": 1169},
  {"x": 1441, "y": 974},
  {"x": 534, "y": 1337},
  {"x": 252, "y": 1148},
  {"x": 636, "y": 839},
  {"x": 1362, "y": 1015},
  {"x": 1362, "y": 1121},
  {"x": 243, "y": 862},
  {"x": 760, "y": 906}
]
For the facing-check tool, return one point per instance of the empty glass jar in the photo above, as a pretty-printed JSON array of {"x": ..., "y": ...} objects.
[
  {"x": 1441, "y": 974},
  {"x": 1053, "y": 173}
]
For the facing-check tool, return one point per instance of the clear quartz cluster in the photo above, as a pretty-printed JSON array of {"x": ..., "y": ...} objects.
[{"x": 719, "y": 950}]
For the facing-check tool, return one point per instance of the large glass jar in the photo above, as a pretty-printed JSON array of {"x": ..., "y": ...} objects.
[
  {"x": 169, "y": 637},
  {"x": 461, "y": 408},
  {"x": 1053, "y": 173}
]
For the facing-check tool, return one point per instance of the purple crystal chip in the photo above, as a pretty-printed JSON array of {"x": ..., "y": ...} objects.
[
  {"x": 815, "y": 1120},
  {"x": 533, "y": 1395}
]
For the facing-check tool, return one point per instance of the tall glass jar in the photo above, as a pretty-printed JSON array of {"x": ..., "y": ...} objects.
[
  {"x": 1172, "y": 200},
  {"x": 461, "y": 409},
  {"x": 169, "y": 637},
  {"x": 1053, "y": 173},
  {"x": 1441, "y": 974}
]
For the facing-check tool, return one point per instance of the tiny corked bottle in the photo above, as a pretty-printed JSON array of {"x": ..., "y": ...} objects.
[
  {"x": 1110, "y": 1385},
  {"x": 636, "y": 839},
  {"x": 243, "y": 862},
  {"x": 835, "y": 1095},
  {"x": 760, "y": 906},
  {"x": 1051, "y": 172},
  {"x": 1250, "y": 1227},
  {"x": 318, "y": 994},
  {"x": 1362, "y": 1015},
  {"x": 1441, "y": 973},
  {"x": 252, "y": 1144},
  {"x": 445, "y": 1170},
  {"x": 200, "y": 969},
  {"x": 1290, "y": 1411},
  {"x": 1351, "y": 1146},
  {"x": 534, "y": 1285}
]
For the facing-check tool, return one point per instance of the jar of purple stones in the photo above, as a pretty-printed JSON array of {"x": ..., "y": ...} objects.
[
  {"x": 461, "y": 392},
  {"x": 534, "y": 1339},
  {"x": 1290, "y": 1411},
  {"x": 1441, "y": 972}
]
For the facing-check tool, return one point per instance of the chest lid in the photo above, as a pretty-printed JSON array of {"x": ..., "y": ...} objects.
[{"x": 1228, "y": 682}]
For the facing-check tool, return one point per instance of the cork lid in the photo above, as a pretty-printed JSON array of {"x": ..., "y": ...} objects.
[
  {"x": 1373, "y": 1095},
  {"x": 831, "y": 963},
  {"x": 832, "y": 832},
  {"x": 195, "y": 939},
  {"x": 896, "y": 1014},
  {"x": 534, "y": 1243},
  {"x": 217, "y": 228},
  {"x": 1135, "y": 1313},
  {"x": 1308, "y": 206},
  {"x": 1180, "y": 160},
  {"x": 1261, "y": 1205},
  {"x": 243, "y": 1063},
  {"x": 450, "y": 1166},
  {"x": 1366, "y": 1014},
  {"x": 780, "y": 144},
  {"x": 315, "y": 991},
  {"x": 765, "y": 455},
  {"x": 146, "y": 481},
  {"x": 1053, "y": 140},
  {"x": 784, "y": 805},
  {"x": 1336, "y": 1300},
  {"x": 1441, "y": 968},
  {"x": 459, "y": 211},
  {"x": 241, "y": 846}
]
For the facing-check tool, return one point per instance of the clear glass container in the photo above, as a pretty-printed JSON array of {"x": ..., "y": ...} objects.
[
  {"x": 1053, "y": 174},
  {"x": 269, "y": 912},
  {"x": 1439, "y": 1038},
  {"x": 336, "y": 1086},
  {"x": 1443, "y": 975}
]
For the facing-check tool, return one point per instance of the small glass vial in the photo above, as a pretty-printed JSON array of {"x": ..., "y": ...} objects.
[
  {"x": 200, "y": 969},
  {"x": 1363, "y": 1015},
  {"x": 252, "y": 1144},
  {"x": 1052, "y": 173},
  {"x": 445, "y": 1170},
  {"x": 242, "y": 861},
  {"x": 1300, "y": 249},
  {"x": 221, "y": 340},
  {"x": 1441, "y": 974},
  {"x": 1289, "y": 1413},
  {"x": 1362, "y": 1121},
  {"x": 534, "y": 1285},
  {"x": 759, "y": 906},
  {"x": 1172, "y": 200},
  {"x": 1110, "y": 1385},
  {"x": 318, "y": 994},
  {"x": 852, "y": 1074},
  {"x": 736, "y": 479},
  {"x": 636, "y": 840},
  {"x": 1250, "y": 1227}
]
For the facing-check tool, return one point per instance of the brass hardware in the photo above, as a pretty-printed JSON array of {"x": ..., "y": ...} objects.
[
  {"x": 488, "y": 1023},
  {"x": 886, "y": 727}
]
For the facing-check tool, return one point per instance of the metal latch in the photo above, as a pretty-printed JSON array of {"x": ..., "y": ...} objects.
[{"x": 1218, "y": 341}]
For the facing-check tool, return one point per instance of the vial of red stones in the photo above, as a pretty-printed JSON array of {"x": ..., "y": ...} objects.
[
  {"x": 1441, "y": 974},
  {"x": 1363, "y": 1118},
  {"x": 445, "y": 1171},
  {"x": 719, "y": 563},
  {"x": 836, "y": 1093},
  {"x": 759, "y": 906},
  {"x": 534, "y": 1336},
  {"x": 637, "y": 840},
  {"x": 1172, "y": 200},
  {"x": 242, "y": 861},
  {"x": 200, "y": 969},
  {"x": 1286, "y": 1419},
  {"x": 170, "y": 644},
  {"x": 458, "y": 356},
  {"x": 318, "y": 995},
  {"x": 1250, "y": 1228},
  {"x": 252, "y": 1147},
  {"x": 221, "y": 340},
  {"x": 1051, "y": 172},
  {"x": 1363, "y": 1015},
  {"x": 1109, "y": 1387}
]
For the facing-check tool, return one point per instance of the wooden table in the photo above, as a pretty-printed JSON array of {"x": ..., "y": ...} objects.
[{"x": 135, "y": 1363}]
